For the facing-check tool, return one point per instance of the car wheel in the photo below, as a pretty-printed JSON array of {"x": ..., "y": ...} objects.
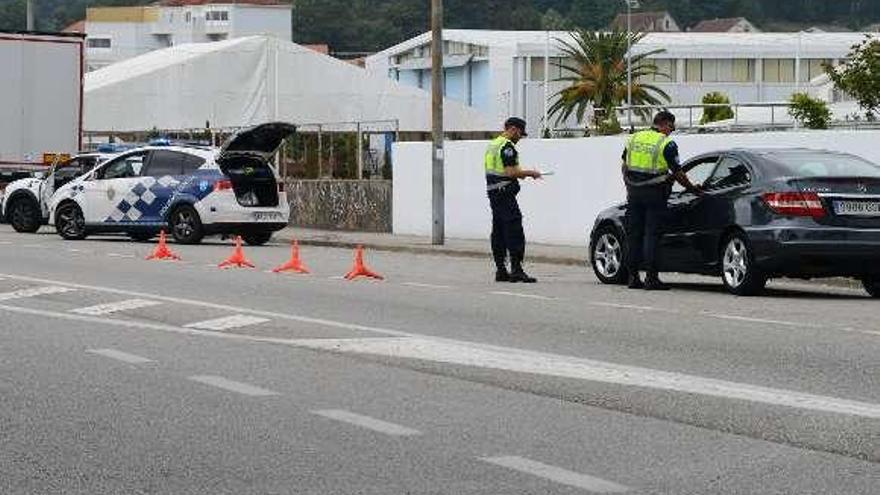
[
  {"x": 70, "y": 222},
  {"x": 607, "y": 256},
  {"x": 141, "y": 236},
  {"x": 257, "y": 239},
  {"x": 24, "y": 216},
  {"x": 872, "y": 286},
  {"x": 739, "y": 272},
  {"x": 186, "y": 226}
]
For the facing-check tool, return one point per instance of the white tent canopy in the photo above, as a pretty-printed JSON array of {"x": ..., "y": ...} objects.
[{"x": 248, "y": 81}]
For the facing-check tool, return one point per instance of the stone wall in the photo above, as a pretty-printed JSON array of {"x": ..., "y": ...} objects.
[{"x": 358, "y": 205}]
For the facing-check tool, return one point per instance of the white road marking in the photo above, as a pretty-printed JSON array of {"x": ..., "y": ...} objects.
[
  {"x": 426, "y": 286},
  {"x": 524, "y": 361},
  {"x": 75, "y": 251},
  {"x": 35, "y": 246},
  {"x": 761, "y": 320},
  {"x": 558, "y": 475},
  {"x": 233, "y": 386},
  {"x": 524, "y": 296},
  {"x": 38, "y": 291},
  {"x": 120, "y": 356},
  {"x": 409, "y": 345},
  {"x": 367, "y": 422},
  {"x": 629, "y": 306},
  {"x": 5, "y": 243},
  {"x": 118, "y": 255},
  {"x": 106, "y": 309},
  {"x": 228, "y": 322}
]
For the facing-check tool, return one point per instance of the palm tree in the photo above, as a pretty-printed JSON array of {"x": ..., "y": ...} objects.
[{"x": 595, "y": 68}]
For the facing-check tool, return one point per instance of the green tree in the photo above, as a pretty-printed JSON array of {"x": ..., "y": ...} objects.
[
  {"x": 714, "y": 114},
  {"x": 596, "y": 74},
  {"x": 860, "y": 77},
  {"x": 552, "y": 20},
  {"x": 811, "y": 113}
]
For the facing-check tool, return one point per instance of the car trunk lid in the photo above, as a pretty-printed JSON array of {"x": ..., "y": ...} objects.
[
  {"x": 245, "y": 157},
  {"x": 848, "y": 201}
]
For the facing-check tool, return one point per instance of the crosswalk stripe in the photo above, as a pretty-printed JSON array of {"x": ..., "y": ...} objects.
[
  {"x": 120, "y": 356},
  {"x": 228, "y": 322},
  {"x": 37, "y": 291},
  {"x": 232, "y": 386},
  {"x": 367, "y": 422},
  {"x": 556, "y": 474},
  {"x": 106, "y": 309}
]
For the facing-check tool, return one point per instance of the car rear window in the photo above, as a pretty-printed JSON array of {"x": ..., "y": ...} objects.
[{"x": 817, "y": 164}]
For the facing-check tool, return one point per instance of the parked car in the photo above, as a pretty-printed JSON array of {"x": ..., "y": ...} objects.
[
  {"x": 25, "y": 202},
  {"x": 766, "y": 213},
  {"x": 190, "y": 191}
]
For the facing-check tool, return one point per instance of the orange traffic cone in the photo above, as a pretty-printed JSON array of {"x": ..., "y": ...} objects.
[
  {"x": 163, "y": 252},
  {"x": 295, "y": 264},
  {"x": 360, "y": 269},
  {"x": 237, "y": 259}
]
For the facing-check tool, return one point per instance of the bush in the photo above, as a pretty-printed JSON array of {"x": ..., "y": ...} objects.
[
  {"x": 714, "y": 114},
  {"x": 811, "y": 113}
]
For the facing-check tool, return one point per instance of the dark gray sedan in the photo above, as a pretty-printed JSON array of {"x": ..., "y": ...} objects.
[{"x": 766, "y": 213}]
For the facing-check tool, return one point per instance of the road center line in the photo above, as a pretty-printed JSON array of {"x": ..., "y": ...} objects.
[
  {"x": 117, "y": 255},
  {"x": 38, "y": 291},
  {"x": 232, "y": 386},
  {"x": 761, "y": 320},
  {"x": 524, "y": 296},
  {"x": 558, "y": 475},
  {"x": 367, "y": 422},
  {"x": 426, "y": 286},
  {"x": 35, "y": 246},
  {"x": 629, "y": 306},
  {"x": 110, "y": 308},
  {"x": 120, "y": 356},
  {"x": 228, "y": 322}
]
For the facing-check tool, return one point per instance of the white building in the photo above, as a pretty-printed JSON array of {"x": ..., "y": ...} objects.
[
  {"x": 503, "y": 73},
  {"x": 119, "y": 33}
]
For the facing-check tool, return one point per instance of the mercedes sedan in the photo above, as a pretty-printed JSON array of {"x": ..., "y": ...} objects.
[{"x": 767, "y": 213}]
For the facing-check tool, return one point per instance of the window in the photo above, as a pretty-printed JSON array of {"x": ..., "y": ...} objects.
[
  {"x": 720, "y": 70},
  {"x": 730, "y": 172},
  {"x": 779, "y": 70},
  {"x": 537, "y": 69},
  {"x": 698, "y": 174},
  {"x": 823, "y": 164},
  {"x": 667, "y": 70},
  {"x": 99, "y": 43},
  {"x": 217, "y": 15},
  {"x": 813, "y": 68},
  {"x": 123, "y": 167},
  {"x": 164, "y": 162},
  {"x": 188, "y": 17}
]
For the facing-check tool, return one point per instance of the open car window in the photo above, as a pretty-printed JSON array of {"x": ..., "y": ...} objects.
[
  {"x": 698, "y": 172},
  {"x": 730, "y": 172}
]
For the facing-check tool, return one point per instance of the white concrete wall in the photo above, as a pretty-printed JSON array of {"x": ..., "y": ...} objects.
[{"x": 561, "y": 209}]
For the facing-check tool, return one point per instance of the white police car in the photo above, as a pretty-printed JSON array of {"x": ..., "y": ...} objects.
[
  {"x": 25, "y": 204},
  {"x": 189, "y": 191}
]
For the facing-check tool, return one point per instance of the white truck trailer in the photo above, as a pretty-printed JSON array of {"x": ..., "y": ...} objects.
[{"x": 41, "y": 99}]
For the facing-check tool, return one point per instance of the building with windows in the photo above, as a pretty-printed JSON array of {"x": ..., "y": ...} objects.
[
  {"x": 646, "y": 22},
  {"x": 120, "y": 33},
  {"x": 728, "y": 25},
  {"x": 504, "y": 72}
]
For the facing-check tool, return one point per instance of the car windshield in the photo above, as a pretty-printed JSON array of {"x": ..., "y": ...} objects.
[{"x": 821, "y": 164}]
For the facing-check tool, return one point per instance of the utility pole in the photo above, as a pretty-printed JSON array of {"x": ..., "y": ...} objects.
[
  {"x": 30, "y": 15},
  {"x": 437, "y": 191},
  {"x": 629, "y": 83}
]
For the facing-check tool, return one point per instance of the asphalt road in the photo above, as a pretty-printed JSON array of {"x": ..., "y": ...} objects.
[{"x": 121, "y": 375}]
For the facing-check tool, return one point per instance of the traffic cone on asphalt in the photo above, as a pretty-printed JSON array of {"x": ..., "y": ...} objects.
[
  {"x": 163, "y": 252},
  {"x": 360, "y": 269},
  {"x": 295, "y": 264},
  {"x": 237, "y": 259}
]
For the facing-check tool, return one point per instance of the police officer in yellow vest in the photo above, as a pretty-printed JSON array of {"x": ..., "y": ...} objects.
[
  {"x": 502, "y": 184},
  {"x": 650, "y": 164}
]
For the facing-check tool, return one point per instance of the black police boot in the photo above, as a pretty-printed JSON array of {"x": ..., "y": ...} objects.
[
  {"x": 502, "y": 275},
  {"x": 635, "y": 281},
  {"x": 517, "y": 275},
  {"x": 652, "y": 282}
]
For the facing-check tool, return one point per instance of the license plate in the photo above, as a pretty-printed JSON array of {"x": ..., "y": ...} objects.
[
  {"x": 267, "y": 216},
  {"x": 858, "y": 208}
]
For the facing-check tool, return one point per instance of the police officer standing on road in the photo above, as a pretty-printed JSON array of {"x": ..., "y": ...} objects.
[
  {"x": 502, "y": 183},
  {"x": 650, "y": 163}
]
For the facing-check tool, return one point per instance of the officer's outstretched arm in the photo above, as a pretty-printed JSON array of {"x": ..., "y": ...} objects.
[
  {"x": 521, "y": 173},
  {"x": 683, "y": 179}
]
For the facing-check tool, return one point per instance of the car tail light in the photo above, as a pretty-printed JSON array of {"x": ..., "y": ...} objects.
[
  {"x": 223, "y": 185},
  {"x": 796, "y": 204},
  {"x": 280, "y": 187}
]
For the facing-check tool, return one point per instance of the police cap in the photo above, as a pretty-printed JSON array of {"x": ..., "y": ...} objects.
[{"x": 516, "y": 122}]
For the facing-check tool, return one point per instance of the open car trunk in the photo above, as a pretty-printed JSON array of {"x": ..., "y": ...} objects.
[{"x": 245, "y": 160}]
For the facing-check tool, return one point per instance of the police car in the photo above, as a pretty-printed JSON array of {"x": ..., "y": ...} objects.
[
  {"x": 25, "y": 204},
  {"x": 189, "y": 191}
]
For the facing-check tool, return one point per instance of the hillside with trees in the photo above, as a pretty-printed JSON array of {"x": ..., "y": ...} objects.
[{"x": 370, "y": 25}]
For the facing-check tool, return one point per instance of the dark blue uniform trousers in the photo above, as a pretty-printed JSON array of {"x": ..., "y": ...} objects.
[
  {"x": 507, "y": 229},
  {"x": 645, "y": 213}
]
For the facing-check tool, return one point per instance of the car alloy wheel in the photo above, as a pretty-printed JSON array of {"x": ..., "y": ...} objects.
[
  {"x": 70, "y": 222},
  {"x": 740, "y": 274},
  {"x": 186, "y": 227},
  {"x": 24, "y": 216},
  {"x": 608, "y": 257}
]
